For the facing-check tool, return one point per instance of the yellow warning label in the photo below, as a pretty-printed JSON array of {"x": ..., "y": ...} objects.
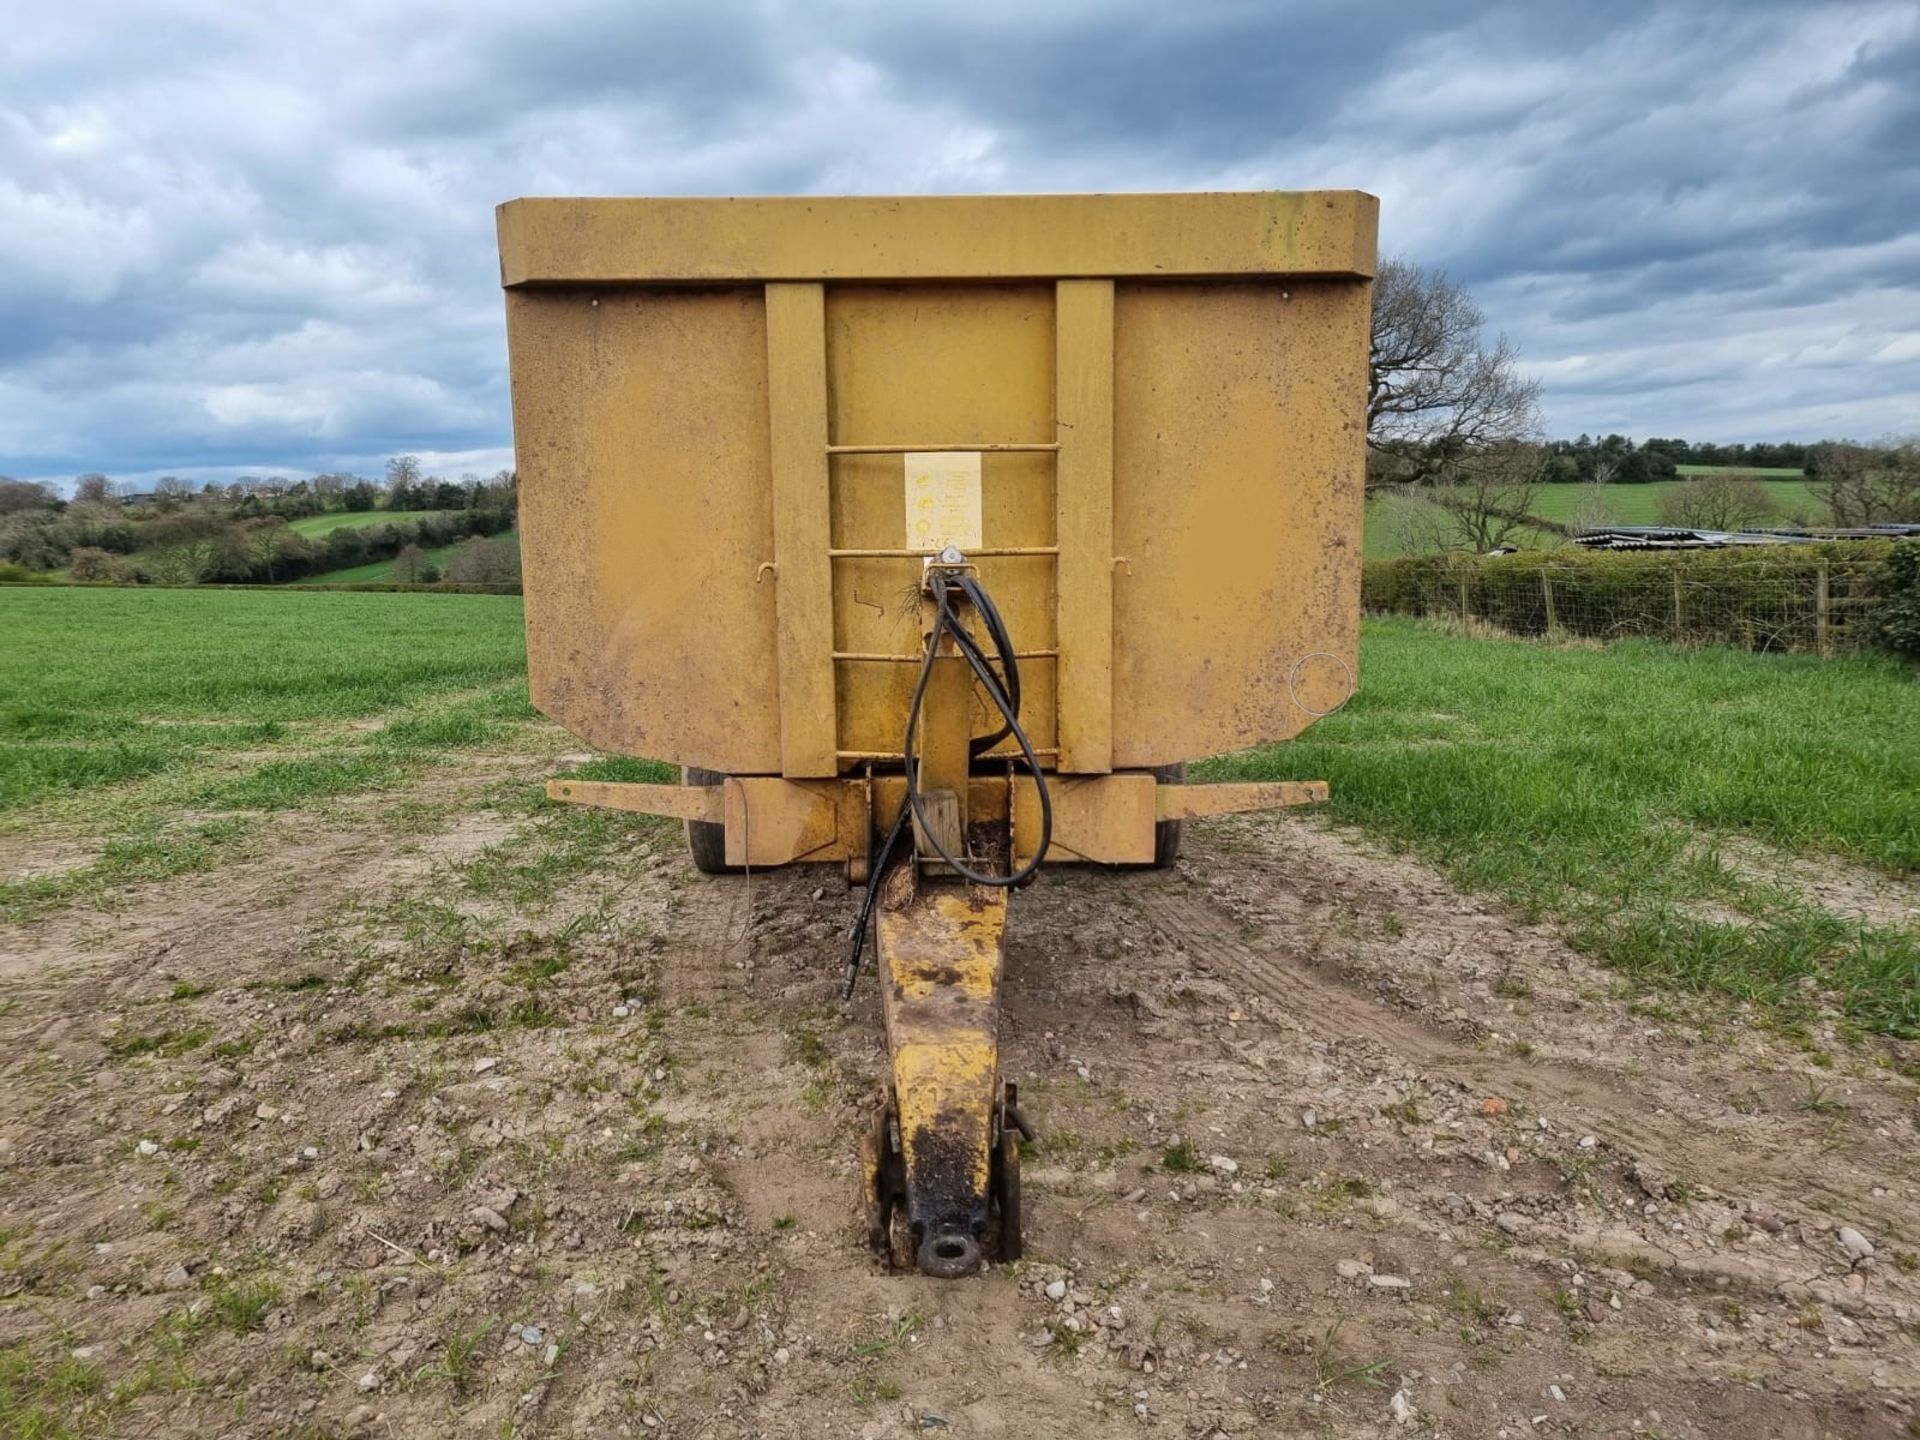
[{"x": 943, "y": 499}]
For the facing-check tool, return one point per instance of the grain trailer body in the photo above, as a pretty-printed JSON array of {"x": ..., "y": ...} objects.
[{"x": 931, "y": 536}]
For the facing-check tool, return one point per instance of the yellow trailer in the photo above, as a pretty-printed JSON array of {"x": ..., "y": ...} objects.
[{"x": 932, "y": 536}]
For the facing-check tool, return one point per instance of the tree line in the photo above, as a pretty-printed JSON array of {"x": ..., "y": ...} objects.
[{"x": 242, "y": 533}]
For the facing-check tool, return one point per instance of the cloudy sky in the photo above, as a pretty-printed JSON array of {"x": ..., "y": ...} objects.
[{"x": 250, "y": 238}]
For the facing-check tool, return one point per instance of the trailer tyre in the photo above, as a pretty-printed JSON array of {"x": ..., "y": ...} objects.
[
  {"x": 706, "y": 841},
  {"x": 1166, "y": 833}
]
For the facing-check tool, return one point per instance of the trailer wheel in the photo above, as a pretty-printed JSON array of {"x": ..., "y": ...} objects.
[
  {"x": 706, "y": 841},
  {"x": 1166, "y": 833}
]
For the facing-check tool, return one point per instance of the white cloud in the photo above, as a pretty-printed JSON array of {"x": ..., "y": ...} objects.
[{"x": 237, "y": 239}]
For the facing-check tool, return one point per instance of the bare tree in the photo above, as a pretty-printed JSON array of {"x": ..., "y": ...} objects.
[
  {"x": 25, "y": 495},
  {"x": 1437, "y": 390},
  {"x": 92, "y": 487},
  {"x": 1867, "y": 484},
  {"x": 485, "y": 562},
  {"x": 1489, "y": 502},
  {"x": 1724, "y": 500},
  {"x": 406, "y": 564},
  {"x": 1591, "y": 508}
]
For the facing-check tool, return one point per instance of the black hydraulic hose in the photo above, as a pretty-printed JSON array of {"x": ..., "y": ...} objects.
[
  {"x": 1006, "y": 699},
  {"x": 949, "y": 621}
]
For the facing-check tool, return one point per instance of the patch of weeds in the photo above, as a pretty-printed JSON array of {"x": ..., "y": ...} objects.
[
  {"x": 457, "y": 1358},
  {"x": 366, "y": 1032},
  {"x": 1577, "y": 1170},
  {"x": 786, "y": 1221},
  {"x": 303, "y": 983},
  {"x": 530, "y": 1014},
  {"x": 1474, "y": 1306},
  {"x": 1181, "y": 1159},
  {"x": 808, "y": 1048},
  {"x": 240, "y": 1304},
  {"x": 164, "y": 1042},
  {"x": 234, "y": 1049},
  {"x": 1116, "y": 1150},
  {"x": 185, "y": 991},
  {"x": 1565, "y": 1301},
  {"x": 1337, "y": 1193},
  {"x": 1404, "y": 1112},
  {"x": 866, "y": 1390},
  {"x": 895, "y": 1337},
  {"x": 815, "y": 1095},
  {"x": 1331, "y": 1370},
  {"x": 1066, "y": 1340},
  {"x": 1276, "y": 1168},
  {"x": 1818, "y": 1099}
]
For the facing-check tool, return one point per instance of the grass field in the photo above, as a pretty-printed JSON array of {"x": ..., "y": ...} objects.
[
  {"x": 374, "y": 571},
  {"x": 1640, "y": 504},
  {"x": 1624, "y": 793},
  {"x": 1765, "y": 472},
  {"x": 316, "y": 527},
  {"x": 156, "y": 726}
]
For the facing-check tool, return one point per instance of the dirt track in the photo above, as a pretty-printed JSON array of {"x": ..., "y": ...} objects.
[{"x": 1448, "y": 1181}]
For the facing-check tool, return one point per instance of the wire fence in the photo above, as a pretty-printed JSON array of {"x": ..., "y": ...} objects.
[{"x": 1818, "y": 598}]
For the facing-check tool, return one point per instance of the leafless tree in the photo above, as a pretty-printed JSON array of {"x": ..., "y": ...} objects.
[
  {"x": 1591, "y": 508},
  {"x": 25, "y": 495},
  {"x": 1488, "y": 502},
  {"x": 406, "y": 564},
  {"x": 485, "y": 562},
  {"x": 93, "y": 487},
  {"x": 1437, "y": 389},
  {"x": 1724, "y": 500},
  {"x": 1868, "y": 484}
]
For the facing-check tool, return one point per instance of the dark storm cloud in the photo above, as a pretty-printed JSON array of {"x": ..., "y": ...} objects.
[{"x": 261, "y": 237}]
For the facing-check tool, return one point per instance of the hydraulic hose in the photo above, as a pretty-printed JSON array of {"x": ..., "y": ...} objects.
[{"x": 1004, "y": 695}]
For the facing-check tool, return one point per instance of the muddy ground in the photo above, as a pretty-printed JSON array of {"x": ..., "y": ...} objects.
[{"x": 370, "y": 1134}]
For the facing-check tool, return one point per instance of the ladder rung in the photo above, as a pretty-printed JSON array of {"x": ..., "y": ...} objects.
[
  {"x": 987, "y": 554},
  {"x": 941, "y": 449},
  {"x": 894, "y": 657}
]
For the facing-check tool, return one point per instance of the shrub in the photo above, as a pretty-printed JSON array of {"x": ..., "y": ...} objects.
[
  {"x": 1897, "y": 621},
  {"x": 1752, "y": 597},
  {"x": 90, "y": 564}
]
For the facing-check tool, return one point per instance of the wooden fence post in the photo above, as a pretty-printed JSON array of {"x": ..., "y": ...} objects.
[
  {"x": 1822, "y": 612},
  {"x": 1546, "y": 591},
  {"x": 1677, "y": 625}
]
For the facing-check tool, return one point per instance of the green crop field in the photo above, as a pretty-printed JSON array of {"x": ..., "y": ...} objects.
[
  {"x": 157, "y": 725},
  {"x": 374, "y": 571},
  {"x": 316, "y": 527},
  {"x": 1640, "y": 504},
  {"x": 1620, "y": 793},
  {"x": 1765, "y": 472},
  {"x": 1616, "y": 790}
]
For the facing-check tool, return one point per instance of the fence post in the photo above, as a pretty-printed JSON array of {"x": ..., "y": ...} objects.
[
  {"x": 1678, "y": 628},
  {"x": 1464, "y": 615},
  {"x": 1546, "y": 590},
  {"x": 1822, "y": 610}
]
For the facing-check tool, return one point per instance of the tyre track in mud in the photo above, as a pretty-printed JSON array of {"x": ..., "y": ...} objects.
[{"x": 1215, "y": 938}]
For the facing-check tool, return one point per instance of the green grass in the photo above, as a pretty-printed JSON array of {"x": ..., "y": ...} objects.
[
  {"x": 156, "y": 727},
  {"x": 374, "y": 572},
  {"x": 1625, "y": 505},
  {"x": 1765, "y": 472},
  {"x": 316, "y": 527},
  {"x": 1640, "y": 504},
  {"x": 102, "y": 686},
  {"x": 1591, "y": 786}
]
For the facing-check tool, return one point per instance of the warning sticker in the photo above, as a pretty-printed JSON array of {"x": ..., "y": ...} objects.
[{"x": 943, "y": 499}]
